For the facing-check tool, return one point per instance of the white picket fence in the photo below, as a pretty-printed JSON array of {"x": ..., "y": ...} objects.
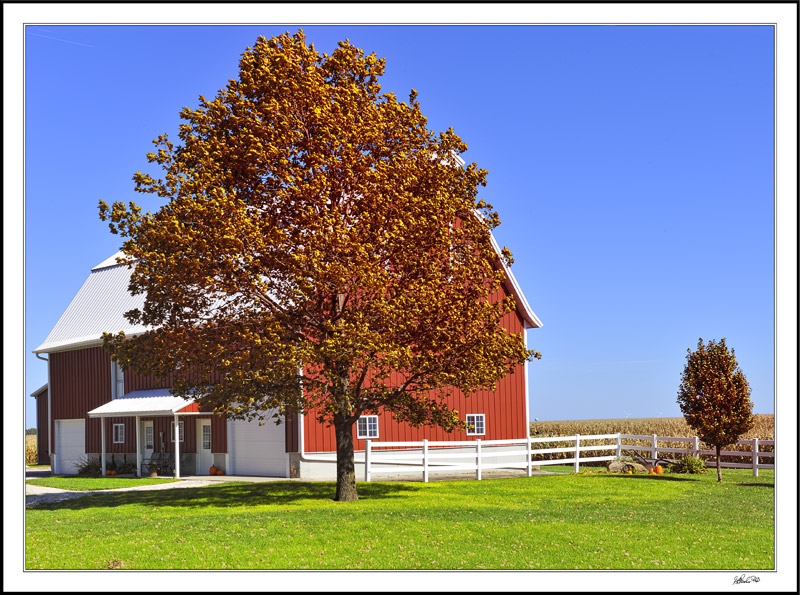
[{"x": 431, "y": 456}]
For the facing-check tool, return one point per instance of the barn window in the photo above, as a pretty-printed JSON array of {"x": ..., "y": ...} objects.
[
  {"x": 148, "y": 437},
  {"x": 117, "y": 381},
  {"x": 476, "y": 424},
  {"x": 119, "y": 433},
  {"x": 172, "y": 431},
  {"x": 367, "y": 426},
  {"x": 206, "y": 437}
]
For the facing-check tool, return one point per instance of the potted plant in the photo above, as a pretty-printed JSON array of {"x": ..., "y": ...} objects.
[{"x": 153, "y": 469}]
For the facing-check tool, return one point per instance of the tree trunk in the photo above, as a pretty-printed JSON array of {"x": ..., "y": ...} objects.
[
  {"x": 345, "y": 463},
  {"x": 719, "y": 469}
]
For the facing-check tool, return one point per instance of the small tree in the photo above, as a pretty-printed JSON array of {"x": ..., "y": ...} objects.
[{"x": 714, "y": 396}]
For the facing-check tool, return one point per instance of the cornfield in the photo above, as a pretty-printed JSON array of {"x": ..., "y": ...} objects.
[
  {"x": 763, "y": 429},
  {"x": 30, "y": 450}
]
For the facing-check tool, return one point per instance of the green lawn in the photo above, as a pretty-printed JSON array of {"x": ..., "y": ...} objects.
[
  {"x": 583, "y": 521},
  {"x": 80, "y": 484}
]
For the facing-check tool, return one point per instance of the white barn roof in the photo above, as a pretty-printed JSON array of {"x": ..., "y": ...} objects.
[
  {"x": 98, "y": 307},
  {"x": 103, "y": 299}
]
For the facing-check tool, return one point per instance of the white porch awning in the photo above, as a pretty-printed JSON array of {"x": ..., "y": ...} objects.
[{"x": 153, "y": 402}]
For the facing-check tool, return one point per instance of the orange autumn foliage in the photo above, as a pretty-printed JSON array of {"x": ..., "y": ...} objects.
[{"x": 315, "y": 223}]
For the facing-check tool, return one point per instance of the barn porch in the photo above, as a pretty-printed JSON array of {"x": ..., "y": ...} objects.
[{"x": 165, "y": 427}]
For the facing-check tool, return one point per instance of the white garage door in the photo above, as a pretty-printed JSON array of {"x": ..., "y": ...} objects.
[
  {"x": 70, "y": 445},
  {"x": 258, "y": 450}
]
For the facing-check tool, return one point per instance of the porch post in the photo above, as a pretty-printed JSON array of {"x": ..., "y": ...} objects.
[
  {"x": 103, "y": 445},
  {"x": 177, "y": 450},
  {"x": 138, "y": 449}
]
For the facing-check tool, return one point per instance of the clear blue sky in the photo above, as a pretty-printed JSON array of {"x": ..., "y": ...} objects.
[{"x": 632, "y": 168}]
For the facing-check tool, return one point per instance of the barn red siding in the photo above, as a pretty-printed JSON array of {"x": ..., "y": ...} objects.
[
  {"x": 503, "y": 407},
  {"x": 219, "y": 434},
  {"x": 80, "y": 381},
  {"x": 164, "y": 434},
  {"x": 42, "y": 429},
  {"x": 291, "y": 429},
  {"x": 219, "y": 427}
]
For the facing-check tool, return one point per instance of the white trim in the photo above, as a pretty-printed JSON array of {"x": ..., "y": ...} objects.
[
  {"x": 527, "y": 390},
  {"x": 181, "y": 430},
  {"x": 367, "y": 435},
  {"x": 177, "y": 439},
  {"x": 117, "y": 381},
  {"x": 103, "y": 447},
  {"x": 39, "y": 390},
  {"x": 138, "y": 448},
  {"x": 121, "y": 434}
]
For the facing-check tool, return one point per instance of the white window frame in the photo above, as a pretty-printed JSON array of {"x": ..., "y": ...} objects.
[
  {"x": 172, "y": 431},
  {"x": 472, "y": 419},
  {"x": 365, "y": 431},
  {"x": 118, "y": 433},
  {"x": 203, "y": 436},
  {"x": 117, "y": 381},
  {"x": 149, "y": 438}
]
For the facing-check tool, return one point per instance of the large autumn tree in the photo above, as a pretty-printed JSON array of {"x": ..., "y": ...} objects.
[
  {"x": 714, "y": 396},
  {"x": 317, "y": 237}
]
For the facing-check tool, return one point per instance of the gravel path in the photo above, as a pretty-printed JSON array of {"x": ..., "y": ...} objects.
[{"x": 42, "y": 495}]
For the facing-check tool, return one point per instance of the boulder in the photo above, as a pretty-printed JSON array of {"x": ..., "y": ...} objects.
[{"x": 620, "y": 466}]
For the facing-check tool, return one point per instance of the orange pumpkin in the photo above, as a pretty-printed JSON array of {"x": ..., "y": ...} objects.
[
  {"x": 108, "y": 471},
  {"x": 212, "y": 470},
  {"x": 659, "y": 470},
  {"x": 652, "y": 471},
  {"x": 220, "y": 472},
  {"x": 113, "y": 473}
]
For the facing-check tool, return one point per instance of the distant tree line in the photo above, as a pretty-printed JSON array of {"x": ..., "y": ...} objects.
[{"x": 30, "y": 431}]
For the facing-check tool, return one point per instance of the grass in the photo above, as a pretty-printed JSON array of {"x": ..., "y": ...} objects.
[
  {"x": 72, "y": 482},
  {"x": 581, "y": 521}
]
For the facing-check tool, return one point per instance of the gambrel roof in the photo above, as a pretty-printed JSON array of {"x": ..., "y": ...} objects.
[
  {"x": 103, "y": 299},
  {"x": 98, "y": 307}
]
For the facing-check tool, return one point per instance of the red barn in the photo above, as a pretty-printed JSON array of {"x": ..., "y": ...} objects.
[{"x": 91, "y": 408}]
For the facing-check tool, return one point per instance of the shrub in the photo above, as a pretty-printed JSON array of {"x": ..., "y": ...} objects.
[
  {"x": 126, "y": 468},
  {"x": 90, "y": 466},
  {"x": 689, "y": 464}
]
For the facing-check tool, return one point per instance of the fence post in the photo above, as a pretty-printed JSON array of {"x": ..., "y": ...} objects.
[
  {"x": 696, "y": 446},
  {"x": 367, "y": 451},
  {"x": 577, "y": 451},
  {"x": 755, "y": 457},
  {"x": 619, "y": 444},
  {"x": 530, "y": 456},
  {"x": 478, "y": 459},
  {"x": 425, "y": 460},
  {"x": 653, "y": 449}
]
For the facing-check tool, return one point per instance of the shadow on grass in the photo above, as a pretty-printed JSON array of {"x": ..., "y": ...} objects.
[
  {"x": 646, "y": 477},
  {"x": 230, "y": 495},
  {"x": 757, "y": 485}
]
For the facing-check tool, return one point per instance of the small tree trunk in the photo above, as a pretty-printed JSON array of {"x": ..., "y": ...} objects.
[
  {"x": 345, "y": 464},
  {"x": 719, "y": 469}
]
